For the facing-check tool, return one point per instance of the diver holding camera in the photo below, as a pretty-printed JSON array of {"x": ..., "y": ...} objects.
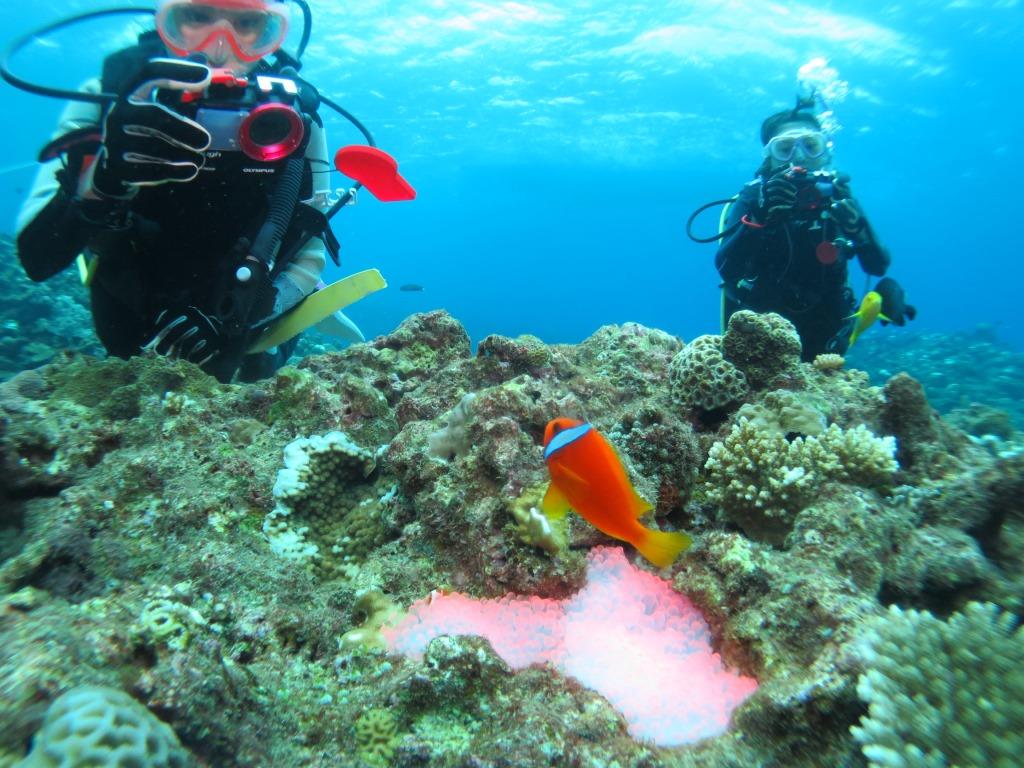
[
  {"x": 788, "y": 235},
  {"x": 194, "y": 174}
]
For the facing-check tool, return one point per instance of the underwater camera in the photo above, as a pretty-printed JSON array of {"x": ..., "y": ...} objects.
[
  {"x": 258, "y": 116},
  {"x": 814, "y": 189}
]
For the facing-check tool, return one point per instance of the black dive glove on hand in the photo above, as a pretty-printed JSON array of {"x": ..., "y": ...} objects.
[
  {"x": 188, "y": 334},
  {"x": 779, "y": 196},
  {"x": 845, "y": 210},
  {"x": 145, "y": 143}
]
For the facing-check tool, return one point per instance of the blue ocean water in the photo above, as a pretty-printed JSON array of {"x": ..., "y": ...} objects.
[{"x": 558, "y": 148}]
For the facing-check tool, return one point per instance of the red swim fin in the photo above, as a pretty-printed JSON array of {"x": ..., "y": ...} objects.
[{"x": 376, "y": 170}]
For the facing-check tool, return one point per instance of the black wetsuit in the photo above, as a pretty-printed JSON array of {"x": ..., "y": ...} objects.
[
  {"x": 171, "y": 246},
  {"x": 774, "y": 268}
]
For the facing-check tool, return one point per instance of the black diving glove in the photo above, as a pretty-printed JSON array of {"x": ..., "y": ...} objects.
[
  {"x": 846, "y": 211},
  {"x": 187, "y": 334},
  {"x": 145, "y": 143},
  {"x": 779, "y": 194}
]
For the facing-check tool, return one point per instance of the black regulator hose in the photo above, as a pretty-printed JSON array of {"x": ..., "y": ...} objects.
[
  {"x": 721, "y": 235},
  {"x": 307, "y": 27},
  {"x": 60, "y": 93},
  {"x": 282, "y": 207}
]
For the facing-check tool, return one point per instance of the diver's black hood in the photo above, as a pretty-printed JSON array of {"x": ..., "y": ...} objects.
[{"x": 771, "y": 124}]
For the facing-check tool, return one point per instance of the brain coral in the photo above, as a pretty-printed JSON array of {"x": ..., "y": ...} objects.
[
  {"x": 762, "y": 345},
  {"x": 96, "y": 726},
  {"x": 700, "y": 377}
]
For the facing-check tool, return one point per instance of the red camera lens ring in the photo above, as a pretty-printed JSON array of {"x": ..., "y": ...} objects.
[{"x": 268, "y": 153}]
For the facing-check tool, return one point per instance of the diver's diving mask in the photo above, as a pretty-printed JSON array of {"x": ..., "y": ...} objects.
[
  {"x": 813, "y": 144},
  {"x": 250, "y": 29}
]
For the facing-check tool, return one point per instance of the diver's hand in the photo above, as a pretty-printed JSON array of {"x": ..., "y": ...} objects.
[
  {"x": 779, "y": 196},
  {"x": 848, "y": 216},
  {"x": 187, "y": 334},
  {"x": 145, "y": 143}
]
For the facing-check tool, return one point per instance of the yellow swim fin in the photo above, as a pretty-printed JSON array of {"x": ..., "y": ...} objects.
[
  {"x": 86, "y": 268},
  {"x": 318, "y": 306}
]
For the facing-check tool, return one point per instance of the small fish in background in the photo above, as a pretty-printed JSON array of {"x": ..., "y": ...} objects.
[
  {"x": 587, "y": 476},
  {"x": 411, "y": 288}
]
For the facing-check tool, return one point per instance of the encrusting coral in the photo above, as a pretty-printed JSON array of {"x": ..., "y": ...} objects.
[
  {"x": 376, "y": 736},
  {"x": 327, "y": 508},
  {"x": 452, "y": 439}
]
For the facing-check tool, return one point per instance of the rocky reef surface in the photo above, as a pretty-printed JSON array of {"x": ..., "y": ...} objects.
[{"x": 226, "y": 555}]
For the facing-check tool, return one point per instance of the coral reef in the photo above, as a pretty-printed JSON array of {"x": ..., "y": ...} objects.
[
  {"x": 93, "y": 725},
  {"x": 828, "y": 363},
  {"x": 943, "y": 693},
  {"x": 956, "y": 369},
  {"x": 762, "y": 481},
  {"x": 376, "y": 736},
  {"x": 40, "y": 320},
  {"x": 144, "y": 508},
  {"x": 452, "y": 439},
  {"x": 763, "y": 346},
  {"x": 328, "y": 506},
  {"x": 702, "y": 378}
]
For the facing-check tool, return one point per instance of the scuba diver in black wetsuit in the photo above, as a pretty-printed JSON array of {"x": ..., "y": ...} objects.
[
  {"x": 788, "y": 235},
  {"x": 194, "y": 174}
]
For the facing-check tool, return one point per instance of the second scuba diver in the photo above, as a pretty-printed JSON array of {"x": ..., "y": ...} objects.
[
  {"x": 200, "y": 225},
  {"x": 789, "y": 234}
]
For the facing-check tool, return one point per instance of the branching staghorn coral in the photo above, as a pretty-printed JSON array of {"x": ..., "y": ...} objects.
[{"x": 943, "y": 693}]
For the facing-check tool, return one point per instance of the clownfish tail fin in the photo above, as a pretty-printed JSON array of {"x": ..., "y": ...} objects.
[{"x": 661, "y": 548}]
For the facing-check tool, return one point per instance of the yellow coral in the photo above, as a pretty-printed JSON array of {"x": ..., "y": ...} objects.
[{"x": 378, "y": 611}]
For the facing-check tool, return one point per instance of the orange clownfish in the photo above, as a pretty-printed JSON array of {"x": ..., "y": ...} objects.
[{"x": 588, "y": 477}]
